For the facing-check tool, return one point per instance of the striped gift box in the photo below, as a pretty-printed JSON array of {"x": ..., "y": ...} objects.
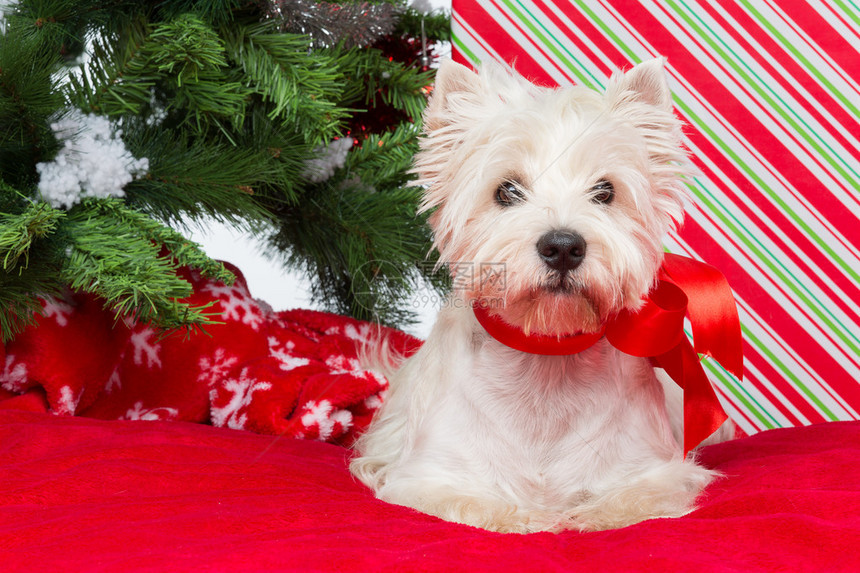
[{"x": 770, "y": 92}]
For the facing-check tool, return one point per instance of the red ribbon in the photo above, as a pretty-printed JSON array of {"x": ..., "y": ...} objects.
[{"x": 685, "y": 287}]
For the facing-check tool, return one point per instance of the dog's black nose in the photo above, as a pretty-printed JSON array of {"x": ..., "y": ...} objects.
[{"x": 561, "y": 250}]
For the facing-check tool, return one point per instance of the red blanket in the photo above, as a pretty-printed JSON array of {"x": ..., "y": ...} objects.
[
  {"x": 87, "y": 495},
  {"x": 294, "y": 374}
]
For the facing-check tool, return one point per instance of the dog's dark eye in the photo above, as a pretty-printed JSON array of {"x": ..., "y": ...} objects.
[
  {"x": 603, "y": 192},
  {"x": 509, "y": 193}
]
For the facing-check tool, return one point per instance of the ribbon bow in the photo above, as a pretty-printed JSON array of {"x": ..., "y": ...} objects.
[{"x": 685, "y": 287}]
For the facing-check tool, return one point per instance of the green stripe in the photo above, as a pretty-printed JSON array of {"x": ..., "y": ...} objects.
[
  {"x": 753, "y": 176},
  {"x": 594, "y": 81},
  {"x": 787, "y": 372},
  {"x": 548, "y": 44},
  {"x": 607, "y": 31},
  {"x": 776, "y": 266},
  {"x": 852, "y": 13},
  {"x": 738, "y": 391},
  {"x": 769, "y": 95},
  {"x": 774, "y": 31},
  {"x": 466, "y": 51}
]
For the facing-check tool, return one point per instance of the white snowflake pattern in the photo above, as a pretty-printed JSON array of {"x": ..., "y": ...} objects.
[
  {"x": 363, "y": 333},
  {"x": 375, "y": 401},
  {"x": 150, "y": 414},
  {"x": 340, "y": 364},
  {"x": 144, "y": 347},
  {"x": 214, "y": 369},
  {"x": 243, "y": 389},
  {"x": 59, "y": 311},
  {"x": 237, "y": 304},
  {"x": 286, "y": 359},
  {"x": 114, "y": 381},
  {"x": 14, "y": 376},
  {"x": 323, "y": 415},
  {"x": 67, "y": 402}
]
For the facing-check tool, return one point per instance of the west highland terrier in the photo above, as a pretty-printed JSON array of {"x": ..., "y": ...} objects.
[{"x": 570, "y": 191}]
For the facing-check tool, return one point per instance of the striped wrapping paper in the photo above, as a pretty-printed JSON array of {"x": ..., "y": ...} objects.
[{"x": 770, "y": 92}]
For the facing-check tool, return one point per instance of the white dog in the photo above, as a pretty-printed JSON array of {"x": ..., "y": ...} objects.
[{"x": 570, "y": 191}]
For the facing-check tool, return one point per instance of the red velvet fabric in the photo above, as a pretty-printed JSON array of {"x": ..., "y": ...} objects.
[{"x": 82, "y": 494}]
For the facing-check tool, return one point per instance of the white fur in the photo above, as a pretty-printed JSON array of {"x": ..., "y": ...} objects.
[{"x": 475, "y": 432}]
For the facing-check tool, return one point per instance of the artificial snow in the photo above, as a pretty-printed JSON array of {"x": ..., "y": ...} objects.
[{"x": 93, "y": 161}]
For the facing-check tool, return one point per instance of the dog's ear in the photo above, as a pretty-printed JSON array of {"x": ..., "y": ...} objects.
[
  {"x": 452, "y": 80},
  {"x": 646, "y": 83}
]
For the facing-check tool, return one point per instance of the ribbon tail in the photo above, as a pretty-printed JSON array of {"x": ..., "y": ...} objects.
[
  {"x": 712, "y": 310},
  {"x": 703, "y": 414}
]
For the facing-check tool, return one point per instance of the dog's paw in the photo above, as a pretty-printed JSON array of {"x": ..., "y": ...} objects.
[{"x": 667, "y": 491}]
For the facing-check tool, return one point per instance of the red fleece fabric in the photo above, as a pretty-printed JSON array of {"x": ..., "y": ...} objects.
[
  {"x": 82, "y": 494},
  {"x": 294, "y": 374}
]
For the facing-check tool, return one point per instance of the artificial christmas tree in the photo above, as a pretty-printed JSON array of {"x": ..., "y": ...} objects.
[{"x": 121, "y": 121}]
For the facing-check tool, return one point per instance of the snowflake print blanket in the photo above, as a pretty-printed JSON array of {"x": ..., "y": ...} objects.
[{"x": 293, "y": 373}]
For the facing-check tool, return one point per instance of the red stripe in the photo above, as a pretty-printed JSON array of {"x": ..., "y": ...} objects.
[
  {"x": 801, "y": 252},
  {"x": 570, "y": 35},
  {"x": 834, "y": 15},
  {"x": 788, "y": 392},
  {"x": 534, "y": 45},
  {"x": 780, "y": 319},
  {"x": 738, "y": 415},
  {"x": 798, "y": 74},
  {"x": 789, "y": 82},
  {"x": 815, "y": 45},
  {"x": 508, "y": 49},
  {"x": 724, "y": 102},
  {"x": 471, "y": 11},
  {"x": 783, "y": 385}
]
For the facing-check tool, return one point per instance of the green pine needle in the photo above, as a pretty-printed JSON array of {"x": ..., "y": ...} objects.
[
  {"x": 116, "y": 253},
  {"x": 18, "y": 231}
]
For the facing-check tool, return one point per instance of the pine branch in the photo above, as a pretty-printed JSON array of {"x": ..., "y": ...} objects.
[
  {"x": 362, "y": 247},
  {"x": 374, "y": 76},
  {"x": 192, "y": 179},
  {"x": 115, "y": 254},
  {"x": 117, "y": 78},
  {"x": 191, "y": 56},
  {"x": 19, "y": 230},
  {"x": 301, "y": 87},
  {"x": 19, "y": 298},
  {"x": 24, "y": 227},
  {"x": 383, "y": 160},
  {"x": 215, "y": 12},
  {"x": 28, "y": 99},
  {"x": 183, "y": 60}
]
